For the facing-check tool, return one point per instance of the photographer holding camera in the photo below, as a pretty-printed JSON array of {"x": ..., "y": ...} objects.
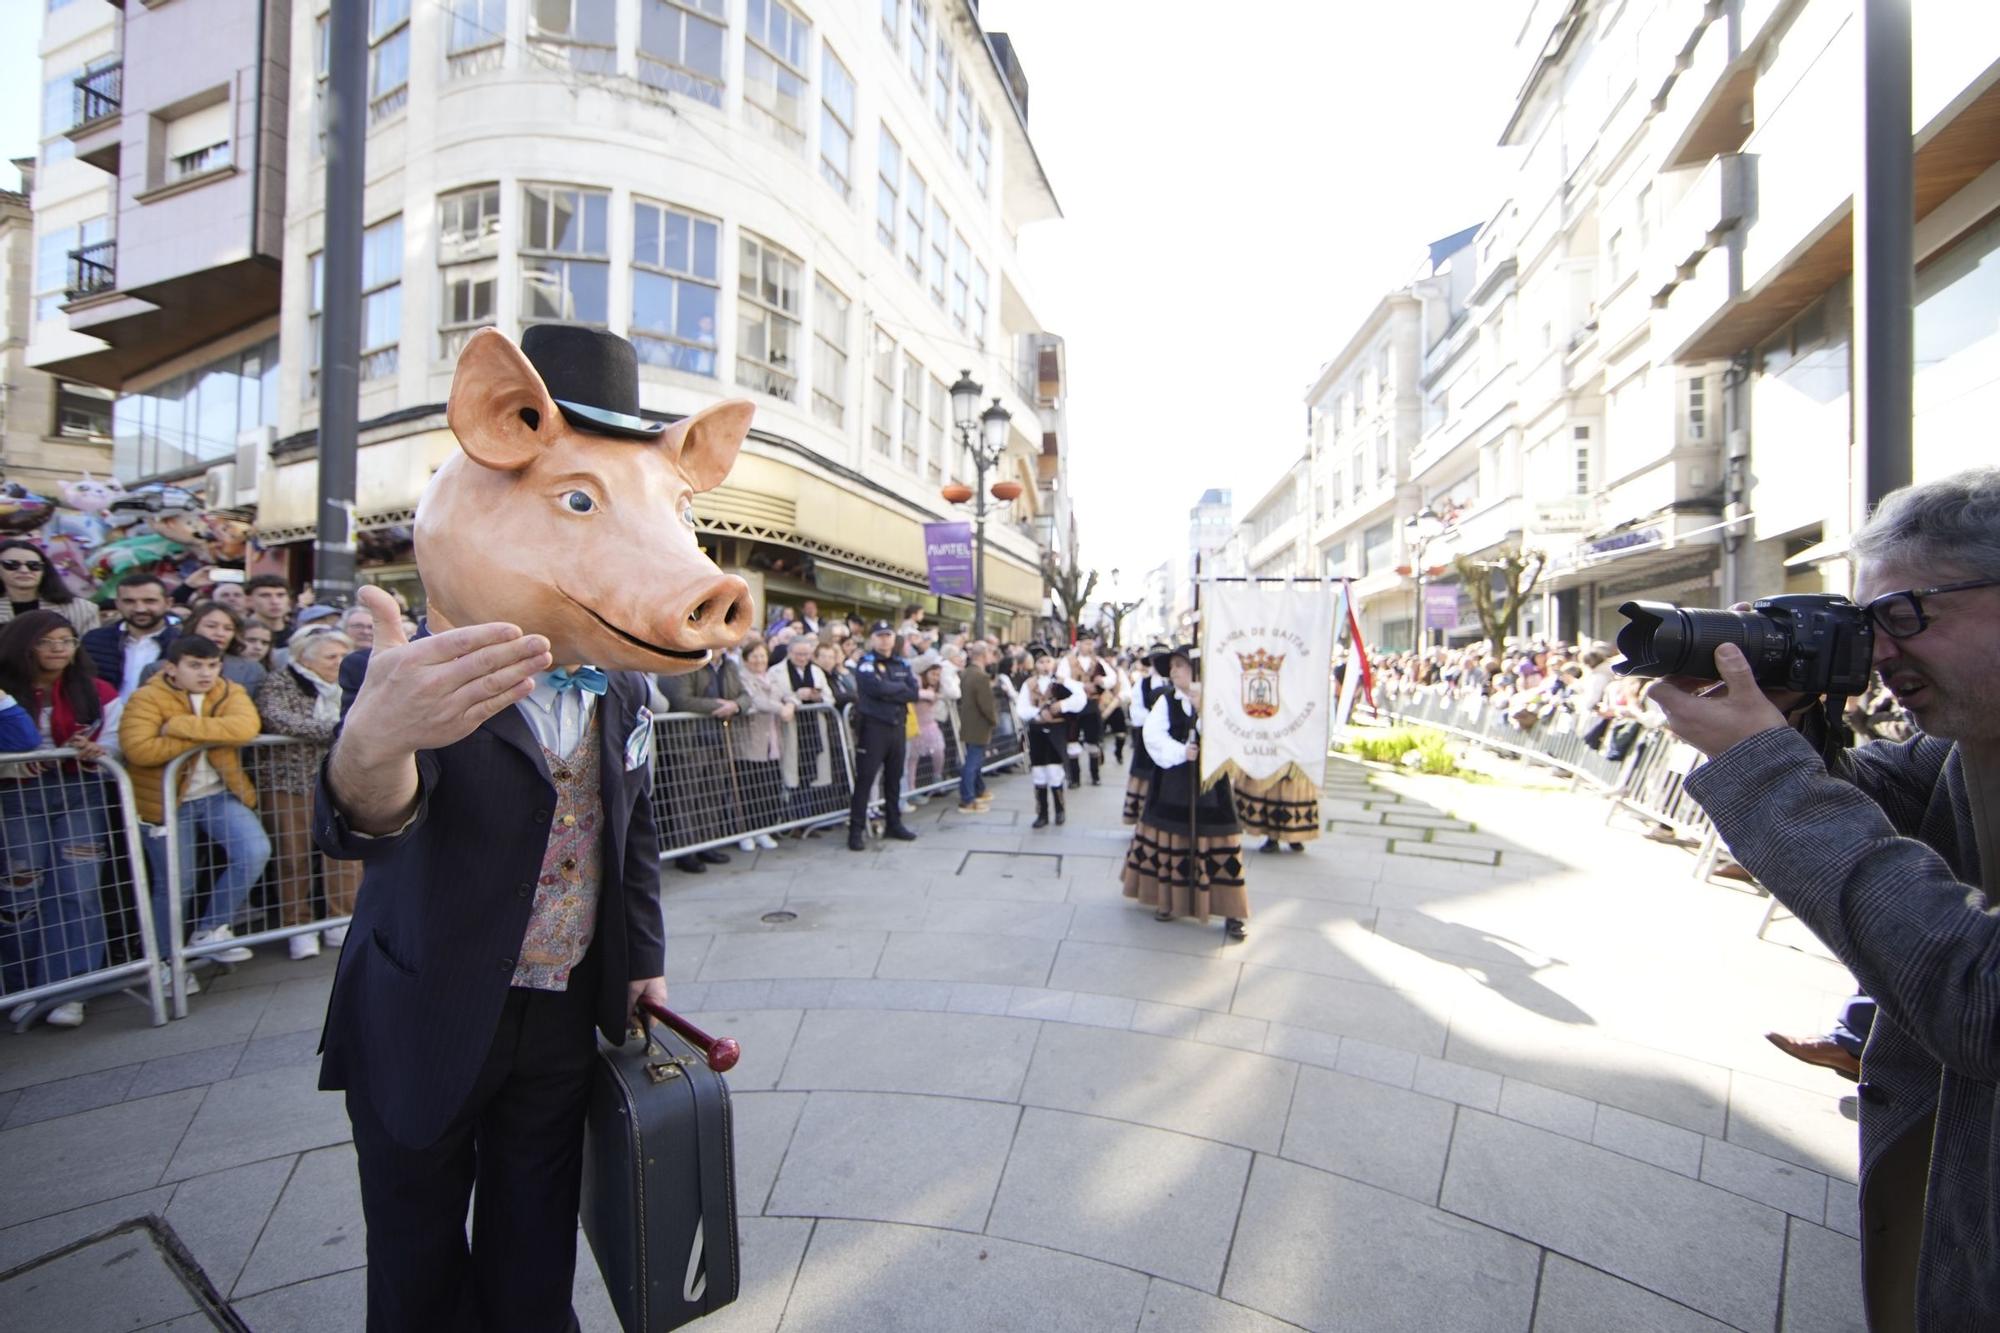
[{"x": 1890, "y": 853}]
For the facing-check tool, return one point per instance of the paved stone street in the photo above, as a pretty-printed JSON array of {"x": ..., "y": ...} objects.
[{"x": 1483, "y": 1063}]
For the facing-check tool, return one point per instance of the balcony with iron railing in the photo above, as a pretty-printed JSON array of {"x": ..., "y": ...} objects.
[
  {"x": 92, "y": 269},
  {"x": 99, "y": 100}
]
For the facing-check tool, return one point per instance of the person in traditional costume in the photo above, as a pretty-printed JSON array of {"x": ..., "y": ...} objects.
[
  {"x": 1147, "y": 688},
  {"x": 1117, "y": 720},
  {"x": 1084, "y": 671},
  {"x": 1186, "y": 857},
  {"x": 1045, "y": 706},
  {"x": 1284, "y": 808}
]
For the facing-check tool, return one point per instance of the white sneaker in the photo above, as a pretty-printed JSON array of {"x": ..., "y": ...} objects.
[
  {"x": 219, "y": 934},
  {"x": 767, "y": 842},
  {"x": 335, "y": 936},
  {"x": 66, "y": 1015},
  {"x": 167, "y": 981},
  {"x": 746, "y": 845},
  {"x": 304, "y": 946}
]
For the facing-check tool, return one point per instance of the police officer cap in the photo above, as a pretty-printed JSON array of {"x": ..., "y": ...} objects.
[{"x": 881, "y": 627}]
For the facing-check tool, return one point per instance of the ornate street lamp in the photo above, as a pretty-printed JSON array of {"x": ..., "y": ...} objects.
[
  {"x": 984, "y": 437},
  {"x": 1419, "y": 530}
]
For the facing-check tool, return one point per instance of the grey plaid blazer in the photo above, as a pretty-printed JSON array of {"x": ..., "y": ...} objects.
[{"x": 1880, "y": 860}]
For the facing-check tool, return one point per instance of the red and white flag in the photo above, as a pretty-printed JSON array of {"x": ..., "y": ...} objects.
[{"x": 1358, "y": 678}]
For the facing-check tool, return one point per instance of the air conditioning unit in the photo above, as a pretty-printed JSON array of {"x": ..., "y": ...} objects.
[
  {"x": 220, "y": 488},
  {"x": 253, "y": 457}
]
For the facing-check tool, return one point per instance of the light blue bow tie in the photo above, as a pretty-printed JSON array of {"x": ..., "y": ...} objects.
[{"x": 583, "y": 678}]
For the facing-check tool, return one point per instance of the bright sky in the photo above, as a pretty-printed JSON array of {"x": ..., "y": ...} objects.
[{"x": 1239, "y": 184}]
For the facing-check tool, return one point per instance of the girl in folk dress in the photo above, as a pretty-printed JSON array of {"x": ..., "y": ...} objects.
[
  {"x": 1147, "y": 688},
  {"x": 928, "y": 742},
  {"x": 1044, "y": 705},
  {"x": 1165, "y": 869}
]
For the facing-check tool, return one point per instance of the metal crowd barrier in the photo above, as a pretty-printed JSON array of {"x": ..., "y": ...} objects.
[
  {"x": 75, "y": 911},
  {"x": 708, "y": 792},
  {"x": 1646, "y": 780}
]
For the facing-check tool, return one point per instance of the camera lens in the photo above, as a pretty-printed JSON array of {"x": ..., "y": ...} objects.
[{"x": 1661, "y": 639}]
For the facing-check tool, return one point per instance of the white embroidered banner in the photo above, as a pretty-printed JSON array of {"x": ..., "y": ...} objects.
[{"x": 1265, "y": 671}]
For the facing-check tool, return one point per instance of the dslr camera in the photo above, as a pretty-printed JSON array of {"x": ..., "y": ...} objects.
[{"x": 1811, "y": 643}]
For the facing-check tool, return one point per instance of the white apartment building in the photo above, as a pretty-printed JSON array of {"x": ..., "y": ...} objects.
[
  {"x": 811, "y": 205},
  {"x": 1153, "y": 621},
  {"x": 1753, "y": 267},
  {"x": 1275, "y": 533},
  {"x": 50, "y": 430},
  {"x": 1366, "y": 415}
]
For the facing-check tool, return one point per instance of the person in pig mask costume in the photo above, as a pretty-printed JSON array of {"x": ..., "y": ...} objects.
[{"x": 494, "y": 778}]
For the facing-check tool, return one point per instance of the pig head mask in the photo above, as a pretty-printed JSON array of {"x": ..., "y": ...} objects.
[{"x": 569, "y": 516}]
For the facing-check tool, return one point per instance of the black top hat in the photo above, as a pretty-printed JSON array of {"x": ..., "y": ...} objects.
[{"x": 593, "y": 377}]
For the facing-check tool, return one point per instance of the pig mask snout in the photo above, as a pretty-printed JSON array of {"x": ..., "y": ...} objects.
[{"x": 582, "y": 536}]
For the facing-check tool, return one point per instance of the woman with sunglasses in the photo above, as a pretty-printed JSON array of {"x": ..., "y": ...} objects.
[
  {"x": 55, "y": 837},
  {"x": 32, "y": 584}
]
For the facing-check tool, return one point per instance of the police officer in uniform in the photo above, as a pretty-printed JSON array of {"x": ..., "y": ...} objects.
[{"x": 887, "y": 689}]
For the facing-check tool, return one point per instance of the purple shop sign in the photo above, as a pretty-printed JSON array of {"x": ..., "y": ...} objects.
[
  {"x": 948, "y": 557},
  {"x": 1441, "y": 606}
]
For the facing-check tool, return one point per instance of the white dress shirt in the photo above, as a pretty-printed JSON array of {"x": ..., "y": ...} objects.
[
  {"x": 557, "y": 719},
  {"x": 140, "y": 654},
  {"x": 1160, "y": 743}
]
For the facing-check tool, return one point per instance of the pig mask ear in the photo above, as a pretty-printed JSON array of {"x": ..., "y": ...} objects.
[
  {"x": 500, "y": 410},
  {"x": 706, "y": 443}
]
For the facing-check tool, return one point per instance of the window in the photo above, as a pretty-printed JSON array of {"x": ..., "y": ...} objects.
[
  {"x": 1614, "y": 257},
  {"x": 913, "y": 414},
  {"x": 388, "y": 57},
  {"x": 979, "y": 303},
  {"x": 889, "y": 181},
  {"x": 321, "y": 56},
  {"x": 586, "y": 30},
  {"x": 676, "y": 277},
  {"x": 381, "y": 303},
  {"x": 1382, "y": 463},
  {"x": 1335, "y": 494},
  {"x": 58, "y": 114},
  {"x": 1642, "y": 209},
  {"x": 475, "y": 36},
  {"x": 1697, "y": 408},
  {"x": 829, "y": 353},
  {"x": 882, "y": 412},
  {"x": 1581, "y": 435},
  {"x": 920, "y": 40},
  {"x": 767, "y": 318},
  {"x": 1378, "y": 548},
  {"x": 836, "y": 123},
  {"x": 198, "y": 142},
  {"x": 381, "y": 298},
  {"x": 83, "y": 412},
  {"x": 468, "y": 264},
  {"x": 939, "y": 445},
  {"x": 52, "y": 263},
  {"x": 680, "y": 47},
  {"x": 961, "y": 127},
  {"x": 982, "y": 162},
  {"x": 892, "y": 20},
  {"x": 961, "y": 264},
  {"x": 914, "y": 204},
  {"x": 940, "y": 240},
  {"x": 565, "y": 256},
  {"x": 1358, "y": 474},
  {"x": 195, "y": 417},
  {"x": 774, "y": 65},
  {"x": 941, "y": 84}
]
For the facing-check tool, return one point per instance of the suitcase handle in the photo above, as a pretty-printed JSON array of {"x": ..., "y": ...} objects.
[{"x": 722, "y": 1053}]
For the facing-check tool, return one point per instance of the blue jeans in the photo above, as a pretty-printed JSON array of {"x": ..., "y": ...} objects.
[
  {"x": 234, "y": 828},
  {"x": 54, "y": 842},
  {"x": 970, "y": 780}
]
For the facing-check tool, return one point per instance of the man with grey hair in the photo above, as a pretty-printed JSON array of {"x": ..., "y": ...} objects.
[{"x": 1891, "y": 855}]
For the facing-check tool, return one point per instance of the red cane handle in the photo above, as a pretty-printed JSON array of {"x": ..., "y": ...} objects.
[{"x": 722, "y": 1053}]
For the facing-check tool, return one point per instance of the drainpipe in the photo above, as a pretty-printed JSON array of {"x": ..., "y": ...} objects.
[
  {"x": 1884, "y": 253},
  {"x": 1735, "y": 473}
]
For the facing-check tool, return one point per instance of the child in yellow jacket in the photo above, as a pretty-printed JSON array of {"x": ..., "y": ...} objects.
[{"x": 189, "y": 706}]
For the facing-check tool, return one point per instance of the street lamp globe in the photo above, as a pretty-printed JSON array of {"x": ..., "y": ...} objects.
[
  {"x": 965, "y": 400},
  {"x": 994, "y": 424},
  {"x": 1426, "y": 523}
]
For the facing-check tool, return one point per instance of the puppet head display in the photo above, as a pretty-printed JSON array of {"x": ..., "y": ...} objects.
[
  {"x": 21, "y": 510},
  {"x": 569, "y": 515},
  {"x": 89, "y": 495}
]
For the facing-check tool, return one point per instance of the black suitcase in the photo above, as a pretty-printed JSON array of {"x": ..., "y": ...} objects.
[{"x": 659, "y": 1175}]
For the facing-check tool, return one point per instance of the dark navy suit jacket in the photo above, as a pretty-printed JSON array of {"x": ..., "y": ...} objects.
[{"x": 445, "y": 903}]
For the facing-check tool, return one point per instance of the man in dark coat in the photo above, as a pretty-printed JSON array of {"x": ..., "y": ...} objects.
[
  {"x": 1891, "y": 855},
  {"x": 695, "y": 759},
  {"x": 978, "y": 713}
]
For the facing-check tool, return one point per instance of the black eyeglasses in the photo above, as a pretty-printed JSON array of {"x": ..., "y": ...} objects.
[
  {"x": 17, "y": 565},
  {"x": 1901, "y": 615}
]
